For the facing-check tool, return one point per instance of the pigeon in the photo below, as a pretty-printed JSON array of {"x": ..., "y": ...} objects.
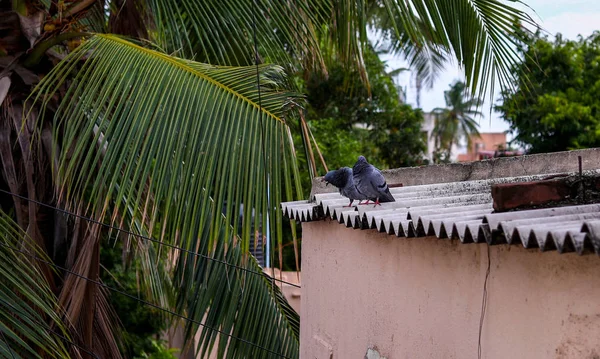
[
  {"x": 370, "y": 182},
  {"x": 342, "y": 179}
]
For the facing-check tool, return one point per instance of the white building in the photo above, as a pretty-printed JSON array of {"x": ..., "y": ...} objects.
[{"x": 427, "y": 128}]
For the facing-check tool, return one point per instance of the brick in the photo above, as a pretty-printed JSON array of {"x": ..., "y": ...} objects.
[{"x": 508, "y": 196}]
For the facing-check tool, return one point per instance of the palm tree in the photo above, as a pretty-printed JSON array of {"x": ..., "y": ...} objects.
[
  {"x": 146, "y": 116},
  {"x": 455, "y": 122}
]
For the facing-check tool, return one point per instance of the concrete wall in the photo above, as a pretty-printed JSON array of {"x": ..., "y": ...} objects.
[
  {"x": 557, "y": 162},
  {"x": 421, "y": 298}
]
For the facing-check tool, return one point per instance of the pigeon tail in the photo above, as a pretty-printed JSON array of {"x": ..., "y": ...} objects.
[{"x": 386, "y": 196}]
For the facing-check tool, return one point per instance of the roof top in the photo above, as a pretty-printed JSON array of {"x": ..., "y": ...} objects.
[{"x": 460, "y": 206}]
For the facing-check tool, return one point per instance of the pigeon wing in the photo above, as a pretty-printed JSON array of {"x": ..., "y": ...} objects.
[{"x": 380, "y": 187}]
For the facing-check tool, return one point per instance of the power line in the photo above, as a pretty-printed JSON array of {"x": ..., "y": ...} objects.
[
  {"x": 143, "y": 301},
  {"x": 42, "y": 325},
  {"x": 143, "y": 237}
]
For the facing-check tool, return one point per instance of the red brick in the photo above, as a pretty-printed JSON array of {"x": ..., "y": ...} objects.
[{"x": 512, "y": 195}]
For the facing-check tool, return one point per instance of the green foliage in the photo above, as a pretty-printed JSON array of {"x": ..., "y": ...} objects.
[
  {"x": 140, "y": 323},
  {"x": 182, "y": 151},
  {"x": 347, "y": 121},
  {"x": 160, "y": 351},
  {"x": 29, "y": 325},
  {"x": 561, "y": 112}
]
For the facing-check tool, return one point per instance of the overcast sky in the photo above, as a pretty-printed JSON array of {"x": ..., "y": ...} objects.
[{"x": 569, "y": 17}]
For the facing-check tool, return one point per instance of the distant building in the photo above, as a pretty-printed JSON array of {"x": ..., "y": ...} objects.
[{"x": 488, "y": 145}]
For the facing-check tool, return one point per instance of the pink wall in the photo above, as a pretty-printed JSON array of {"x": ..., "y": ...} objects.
[{"x": 421, "y": 298}]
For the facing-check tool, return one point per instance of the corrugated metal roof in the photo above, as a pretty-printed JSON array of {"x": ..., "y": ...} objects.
[{"x": 463, "y": 211}]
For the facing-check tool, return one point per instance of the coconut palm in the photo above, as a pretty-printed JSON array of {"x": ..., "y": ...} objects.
[
  {"x": 147, "y": 116},
  {"x": 455, "y": 122}
]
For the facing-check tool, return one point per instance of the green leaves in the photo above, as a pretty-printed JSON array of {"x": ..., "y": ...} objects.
[
  {"x": 480, "y": 34},
  {"x": 561, "y": 112},
  {"x": 221, "y": 32},
  {"x": 180, "y": 151},
  {"x": 29, "y": 316}
]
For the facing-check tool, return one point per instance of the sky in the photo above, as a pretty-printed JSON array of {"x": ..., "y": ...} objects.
[{"x": 569, "y": 17}]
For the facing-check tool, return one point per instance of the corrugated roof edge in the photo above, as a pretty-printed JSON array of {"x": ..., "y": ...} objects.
[
  {"x": 564, "y": 229},
  {"x": 546, "y": 163}
]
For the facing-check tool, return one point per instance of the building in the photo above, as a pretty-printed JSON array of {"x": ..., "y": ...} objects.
[
  {"x": 487, "y": 145},
  {"x": 497, "y": 257},
  {"x": 426, "y": 130}
]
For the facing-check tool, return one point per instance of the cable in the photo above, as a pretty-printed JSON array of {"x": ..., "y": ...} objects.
[
  {"x": 7, "y": 345},
  {"x": 141, "y": 236},
  {"x": 50, "y": 330},
  {"x": 484, "y": 301},
  {"x": 142, "y": 301}
]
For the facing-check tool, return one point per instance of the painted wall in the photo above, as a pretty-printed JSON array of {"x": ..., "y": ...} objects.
[
  {"x": 421, "y": 298},
  {"x": 486, "y": 142}
]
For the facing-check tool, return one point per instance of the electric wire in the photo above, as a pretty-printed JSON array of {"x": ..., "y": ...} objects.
[
  {"x": 143, "y": 301},
  {"x": 142, "y": 236}
]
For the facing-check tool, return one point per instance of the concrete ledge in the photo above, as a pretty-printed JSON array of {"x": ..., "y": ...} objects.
[{"x": 557, "y": 162}]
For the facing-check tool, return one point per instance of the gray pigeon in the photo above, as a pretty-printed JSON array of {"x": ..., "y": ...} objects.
[
  {"x": 342, "y": 179},
  {"x": 370, "y": 182}
]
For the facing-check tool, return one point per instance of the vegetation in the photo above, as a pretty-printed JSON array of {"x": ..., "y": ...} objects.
[
  {"x": 140, "y": 324},
  {"x": 561, "y": 110},
  {"x": 455, "y": 122},
  {"x": 348, "y": 121},
  {"x": 146, "y": 116}
]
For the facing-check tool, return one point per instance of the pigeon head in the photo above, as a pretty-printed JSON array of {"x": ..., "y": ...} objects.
[
  {"x": 362, "y": 159},
  {"x": 338, "y": 178}
]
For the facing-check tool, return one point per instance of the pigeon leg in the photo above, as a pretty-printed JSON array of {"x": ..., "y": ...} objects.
[
  {"x": 377, "y": 202},
  {"x": 367, "y": 202},
  {"x": 350, "y": 204}
]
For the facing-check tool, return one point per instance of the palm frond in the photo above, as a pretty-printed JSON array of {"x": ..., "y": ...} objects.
[
  {"x": 240, "y": 304},
  {"x": 179, "y": 150},
  {"x": 480, "y": 34},
  {"x": 29, "y": 314},
  {"x": 221, "y": 32}
]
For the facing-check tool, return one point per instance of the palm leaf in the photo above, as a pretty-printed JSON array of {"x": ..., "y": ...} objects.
[
  {"x": 29, "y": 316},
  {"x": 221, "y": 32},
  {"x": 480, "y": 34},
  {"x": 242, "y": 304},
  {"x": 179, "y": 150}
]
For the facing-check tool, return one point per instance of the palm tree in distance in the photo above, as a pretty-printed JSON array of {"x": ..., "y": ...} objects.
[{"x": 456, "y": 121}]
